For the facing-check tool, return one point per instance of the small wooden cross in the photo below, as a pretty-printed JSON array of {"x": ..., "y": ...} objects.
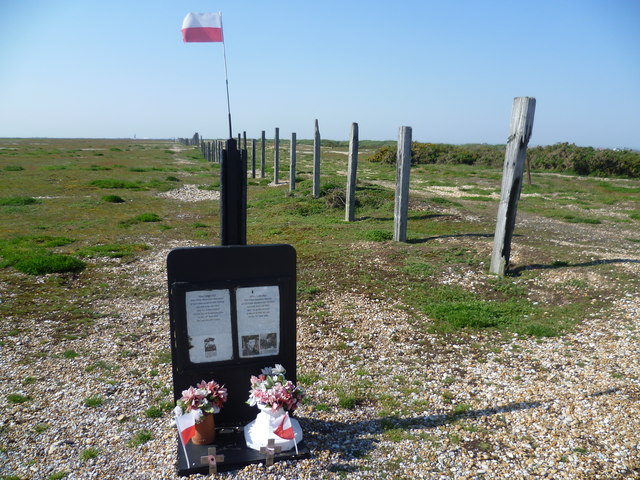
[
  {"x": 270, "y": 450},
  {"x": 212, "y": 460}
]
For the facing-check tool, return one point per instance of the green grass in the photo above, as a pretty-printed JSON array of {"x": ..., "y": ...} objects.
[
  {"x": 18, "y": 398},
  {"x": 93, "y": 401},
  {"x": 140, "y": 438},
  {"x": 49, "y": 263},
  {"x": 89, "y": 453},
  {"x": 17, "y": 201},
  {"x": 113, "y": 199},
  {"x": 112, "y": 250}
]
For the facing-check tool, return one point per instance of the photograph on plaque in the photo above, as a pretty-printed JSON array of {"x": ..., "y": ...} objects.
[
  {"x": 209, "y": 325},
  {"x": 258, "y": 311}
]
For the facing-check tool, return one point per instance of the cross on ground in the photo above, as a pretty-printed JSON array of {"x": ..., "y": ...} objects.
[
  {"x": 270, "y": 450},
  {"x": 212, "y": 460}
]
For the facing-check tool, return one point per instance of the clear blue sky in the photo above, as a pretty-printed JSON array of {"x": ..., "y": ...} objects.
[{"x": 449, "y": 69}]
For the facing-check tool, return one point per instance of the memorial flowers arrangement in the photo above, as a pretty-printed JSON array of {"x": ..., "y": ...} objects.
[
  {"x": 272, "y": 389},
  {"x": 204, "y": 398}
]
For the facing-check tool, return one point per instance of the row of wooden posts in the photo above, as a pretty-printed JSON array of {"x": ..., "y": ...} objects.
[{"x": 513, "y": 170}]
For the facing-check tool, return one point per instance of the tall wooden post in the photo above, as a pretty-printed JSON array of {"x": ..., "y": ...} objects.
[
  {"x": 262, "y": 160},
  {"x": 316, "y": 161},
  {"x": 253, "y": 158},
  {"x": 403, "y": 168},
  {"x": 350, "y": 201},
  {"x": 512, "y": 173},
  {"x": 276, "y": 156},
  {"x": 292, "y": 163}
]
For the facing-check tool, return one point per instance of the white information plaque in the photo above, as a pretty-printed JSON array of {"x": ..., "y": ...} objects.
[
  {"x": 209, "y": 325},
  {"x": 258, "y": 321}
]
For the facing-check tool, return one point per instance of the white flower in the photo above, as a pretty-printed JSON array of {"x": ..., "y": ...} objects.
[
  {"x": 177, "y": 411},
  {"x": 197, "y": 415},
  {"x": 278, "y": 370},
  {"x": 267, "y": 371}
]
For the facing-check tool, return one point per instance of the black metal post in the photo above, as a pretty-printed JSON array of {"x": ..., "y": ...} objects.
[{"x": 233, "y": 195}]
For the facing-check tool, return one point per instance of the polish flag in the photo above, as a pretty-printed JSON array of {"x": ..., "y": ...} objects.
[
  {"x": 202, "y": 27},
  {"x": 285, "y": 430},
  {"x": 186, "y": 426}
]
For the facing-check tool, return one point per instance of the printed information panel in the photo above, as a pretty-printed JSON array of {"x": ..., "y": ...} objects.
[
  {"x": 258, "y": 320},
  {"x": 209, "y": 325}
]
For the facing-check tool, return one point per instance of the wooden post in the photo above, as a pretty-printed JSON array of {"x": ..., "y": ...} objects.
[
  {"x": 244, "y": 140},
  {"x": 262, "y": 155},
  {"x": 350, "y": 201},
  {"x": 253, "y": 158},
  {"x": 316, "y": 161},
  {"x": 292, "y": 163},
  {"x": 276, "y": 156},
  {"x": 403, "y": 168},
  {"x": 519, "y": 135}
]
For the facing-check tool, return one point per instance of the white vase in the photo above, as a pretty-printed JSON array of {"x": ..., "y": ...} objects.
[{"x": 258, "y": 432}]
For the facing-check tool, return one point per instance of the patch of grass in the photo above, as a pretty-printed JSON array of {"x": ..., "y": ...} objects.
[
  {"x": 41, "y": 427},
  {"x": 140, "y": 438},
  {"x": 17, "y": 201},
  {"x": 308, "y": 379},
  {"x": 93, "y": 401},
  {"x": 112, "y": 250},
  {"x": 18, "y": 398},
  {"x": 29, "y": 381},
  {"x": 115, "y": 184},
  {"x": 13, "y": 168},
  {"x": 57, "y": 475},
  {"x": 70, "y": 354},
  {"x": 575, "y": 219},
  {"x": 322, "y": 407},
  {"x": 419, "y": 269},
  {"x": 153, "y": 412},
  {"x": 378, "y": 235},
  {"x": 89, "y": 453},
  {"x": 113, "y": 199},
  {"x": 49, "y": 263}
]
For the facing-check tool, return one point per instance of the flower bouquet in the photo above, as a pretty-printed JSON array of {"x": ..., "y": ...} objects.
[
  {"x": 271, "y": 389},
  {"x": 276, "y": 397},
  {"x": 202, "y": 402}
]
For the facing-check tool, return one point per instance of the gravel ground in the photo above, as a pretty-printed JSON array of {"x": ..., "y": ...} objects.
[{"x": 480, "y": 406}]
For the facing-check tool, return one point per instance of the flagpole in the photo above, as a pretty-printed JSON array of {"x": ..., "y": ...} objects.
[{"x": 226, "y": 76}]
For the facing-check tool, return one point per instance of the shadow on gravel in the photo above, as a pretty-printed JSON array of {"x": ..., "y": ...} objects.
[
  {"x": 461, "y": 235},
  {"x": 354, "y": 440},
  {"x": 537, "y": 266}
]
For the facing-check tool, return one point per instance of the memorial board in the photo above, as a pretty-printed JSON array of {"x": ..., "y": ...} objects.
[{"x": 232, "y": 313}]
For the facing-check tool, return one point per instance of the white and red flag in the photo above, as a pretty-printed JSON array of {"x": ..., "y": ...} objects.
[
  {"x": 186, "y": 426},
  {"x": 202, "y": 27},
  {"x": 285, "y": 429}
]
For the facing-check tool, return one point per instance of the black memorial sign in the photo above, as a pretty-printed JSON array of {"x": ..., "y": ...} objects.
[{"x": 232, "y": 312}]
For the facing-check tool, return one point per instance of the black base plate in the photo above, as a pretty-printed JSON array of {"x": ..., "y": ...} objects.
[{"x": 230, "y": 443}]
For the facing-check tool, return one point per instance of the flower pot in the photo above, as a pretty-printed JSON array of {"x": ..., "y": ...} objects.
[{"x": 205, "y": 431}]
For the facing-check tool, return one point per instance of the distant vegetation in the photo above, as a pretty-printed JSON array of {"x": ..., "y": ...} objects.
[{"x": 561, "y": 157}]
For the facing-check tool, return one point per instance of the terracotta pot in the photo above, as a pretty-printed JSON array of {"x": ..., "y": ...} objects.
[{"x": 205, "y": 431}]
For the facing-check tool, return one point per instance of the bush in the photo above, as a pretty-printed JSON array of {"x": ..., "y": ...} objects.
[
  {"x": 113, "y": 199},
  {"x": 378, "y": 235}
]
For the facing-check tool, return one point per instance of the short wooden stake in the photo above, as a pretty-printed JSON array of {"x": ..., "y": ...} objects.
[
  {"x": 316, "y": 161},
  {"x": 403, "y": 169},
  {"x": 212, "y": 459},
  {"x": 350, "y": 201},
  {"x": 514, "y": 159},
  {"x": 270, "y": 451}
]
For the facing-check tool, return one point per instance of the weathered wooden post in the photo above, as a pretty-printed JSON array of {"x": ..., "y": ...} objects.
[
  {"x": 253, "y": 158},
  {"x": 262, "y": 155},
  {"x": 403, "y": 168},
  {"x": 276, "y": 156},
  {"x": 350, "y": 201},
  {"x": 292, "y": 163},
  {"x": 512, "y": 173},
  {"x": 316, "y": 161}
]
